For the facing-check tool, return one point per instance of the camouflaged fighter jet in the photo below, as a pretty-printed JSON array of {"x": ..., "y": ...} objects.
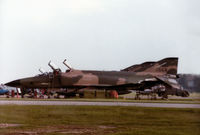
[{"x": 163, "y": 72}]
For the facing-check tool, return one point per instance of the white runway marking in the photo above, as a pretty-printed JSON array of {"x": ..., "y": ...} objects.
[{"x": 82, "y": 103}]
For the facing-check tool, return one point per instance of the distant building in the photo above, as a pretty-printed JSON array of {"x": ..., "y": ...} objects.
[{"x": 190, "y": 82}]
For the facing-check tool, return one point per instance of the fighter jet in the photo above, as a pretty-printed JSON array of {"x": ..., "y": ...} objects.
[{"x": 122, "y": 81}]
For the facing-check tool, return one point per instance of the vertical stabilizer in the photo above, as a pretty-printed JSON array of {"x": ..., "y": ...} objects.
[{"x": 164, "y": 66}]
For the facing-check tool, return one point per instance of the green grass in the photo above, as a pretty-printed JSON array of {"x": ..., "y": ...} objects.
[{"x": 99, "y": 120}]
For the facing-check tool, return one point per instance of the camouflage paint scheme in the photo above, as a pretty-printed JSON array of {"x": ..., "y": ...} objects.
[
  {"x": 137, "y": 77},
  {"x": 164, "y": 70}
]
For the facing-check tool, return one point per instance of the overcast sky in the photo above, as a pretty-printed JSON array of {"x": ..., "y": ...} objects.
[{"x": 96, "y": 34}]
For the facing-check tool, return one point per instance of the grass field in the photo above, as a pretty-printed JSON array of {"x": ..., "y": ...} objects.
[{"x": 90, "y": 120}]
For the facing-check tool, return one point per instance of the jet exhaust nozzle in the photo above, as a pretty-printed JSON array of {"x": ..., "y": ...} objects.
[{"x": 185, "y": 93}]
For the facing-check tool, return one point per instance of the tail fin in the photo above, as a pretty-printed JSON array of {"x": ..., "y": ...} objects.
[{"x": 164, "y": 66}]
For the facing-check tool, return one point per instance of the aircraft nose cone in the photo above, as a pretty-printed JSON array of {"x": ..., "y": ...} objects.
[{"x": 15, "y": 83}]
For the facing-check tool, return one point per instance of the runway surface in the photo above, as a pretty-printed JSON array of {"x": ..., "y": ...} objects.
[{"x": 82, "y": 103}]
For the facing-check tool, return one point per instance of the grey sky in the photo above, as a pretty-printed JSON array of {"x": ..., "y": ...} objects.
[{"x": 96, "y": 34}]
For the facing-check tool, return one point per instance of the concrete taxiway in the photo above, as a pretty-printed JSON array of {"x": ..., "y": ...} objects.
[{"x": 83, "y": 103}]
